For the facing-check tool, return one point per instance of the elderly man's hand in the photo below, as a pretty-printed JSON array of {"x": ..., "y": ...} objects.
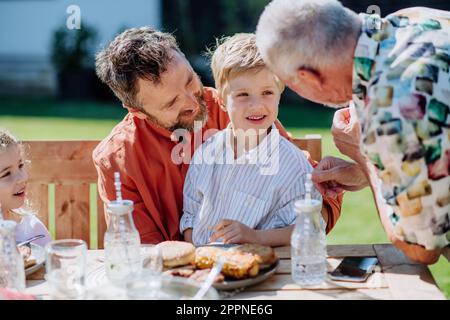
[
  {"x": 346, "y": 132},
  {"x": 333, "y": 175}
]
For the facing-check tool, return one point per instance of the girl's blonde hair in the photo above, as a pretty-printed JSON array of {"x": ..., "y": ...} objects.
[{"x": 7, "y": 139}]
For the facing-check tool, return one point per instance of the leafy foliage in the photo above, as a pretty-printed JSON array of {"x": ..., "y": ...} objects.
[{"x": 73, "y": 49}]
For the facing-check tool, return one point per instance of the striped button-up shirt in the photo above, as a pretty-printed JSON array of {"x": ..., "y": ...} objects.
[{"x": 257, "y": 189}]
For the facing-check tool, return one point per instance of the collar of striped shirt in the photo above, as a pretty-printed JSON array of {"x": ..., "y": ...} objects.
[{"x": 258, "y": 155}]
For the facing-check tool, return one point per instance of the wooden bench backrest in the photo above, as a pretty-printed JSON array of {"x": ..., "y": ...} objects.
[
  {"x": 65, "y": 169},
  {"x": 62, "y": 172}
]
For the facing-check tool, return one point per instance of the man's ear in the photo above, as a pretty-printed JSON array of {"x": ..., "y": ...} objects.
[
  {"x": 311, "y": 77},
  {"x": 135, "y": 112}
]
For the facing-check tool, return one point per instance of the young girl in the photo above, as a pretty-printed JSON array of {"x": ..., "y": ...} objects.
[{"x": 13, "y": 191}]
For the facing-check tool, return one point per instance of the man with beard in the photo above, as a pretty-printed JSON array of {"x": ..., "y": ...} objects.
[{"x": 154, "y": 81}]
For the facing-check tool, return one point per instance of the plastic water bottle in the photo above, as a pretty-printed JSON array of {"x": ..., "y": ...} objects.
[
  {"x": 308, "y": 241},
  {"x": 122, "y": 241}
]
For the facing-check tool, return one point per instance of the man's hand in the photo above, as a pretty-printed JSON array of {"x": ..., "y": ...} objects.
[
  {"x": 333, "y": 175},
  {"x": 346, "y": 131},
  {"x": 234, "y": 232}
]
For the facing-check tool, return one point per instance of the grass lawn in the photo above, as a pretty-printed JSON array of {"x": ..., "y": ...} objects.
[{"x": 48, "y": 119}]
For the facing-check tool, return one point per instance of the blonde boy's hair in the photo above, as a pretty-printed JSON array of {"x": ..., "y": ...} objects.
[{"x": 235, "y": 55}]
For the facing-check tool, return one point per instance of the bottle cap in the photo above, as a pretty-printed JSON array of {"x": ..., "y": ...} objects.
[
  {"x": 311, "y": 205},
  {"x": 120, "y": 207}
]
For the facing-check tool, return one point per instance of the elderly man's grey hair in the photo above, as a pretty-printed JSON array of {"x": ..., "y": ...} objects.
[{"x": 306, "y": 33}]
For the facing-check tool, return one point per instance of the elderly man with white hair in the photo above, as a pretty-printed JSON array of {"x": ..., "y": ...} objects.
[{"x": 394, "y": 73}]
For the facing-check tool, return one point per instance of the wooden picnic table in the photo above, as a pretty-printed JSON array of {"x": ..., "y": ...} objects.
[{"x": 398, "y": 278}]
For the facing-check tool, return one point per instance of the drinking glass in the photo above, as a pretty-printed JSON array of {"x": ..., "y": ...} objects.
[
  {"x": 152, "y": 259},
  {"x": 66, "y": 268}
]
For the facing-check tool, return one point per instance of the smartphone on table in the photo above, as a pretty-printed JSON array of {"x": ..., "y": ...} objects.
[{"x": 354, "y": 269}]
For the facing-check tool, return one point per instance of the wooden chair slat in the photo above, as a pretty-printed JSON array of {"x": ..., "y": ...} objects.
[
  {"x": 81, "y": 213},
  {"x": 75, "y": 172},
  {"x": 312, "y": 144},
  {"x": 39, "y": 192},
  {"x": 63, "y": 211},
  {"x": 72, "y": 212},
  {"x": 61, "y": 149},
  {"x": 101, "y": 222}
]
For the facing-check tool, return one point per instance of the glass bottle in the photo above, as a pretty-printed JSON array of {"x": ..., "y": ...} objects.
[
  {"x": 12, "y": 271},
  {"x": 308, "y": 241},
  {"x": 122, "y": 241}
]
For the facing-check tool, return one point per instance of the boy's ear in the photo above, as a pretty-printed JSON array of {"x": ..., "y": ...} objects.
[
  {"x": 311, "y": 77},
  {"x": 135, "y": 112}
]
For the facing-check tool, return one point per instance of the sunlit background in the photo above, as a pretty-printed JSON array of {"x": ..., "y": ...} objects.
[{"x": 48, "y": 87}]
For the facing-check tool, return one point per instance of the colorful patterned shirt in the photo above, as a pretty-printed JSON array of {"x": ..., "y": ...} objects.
[{"x": 401, "y": 91}]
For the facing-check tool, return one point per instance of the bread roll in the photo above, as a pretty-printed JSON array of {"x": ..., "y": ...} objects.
[{"x": 177, "y": 253}]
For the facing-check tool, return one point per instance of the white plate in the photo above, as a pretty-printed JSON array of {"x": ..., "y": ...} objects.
[
  {"x": 143, "y": 287},
  {"x": 39, "y": 255}
]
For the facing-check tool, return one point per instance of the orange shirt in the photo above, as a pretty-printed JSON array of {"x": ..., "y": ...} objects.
[{"x": 142, "y": 153}]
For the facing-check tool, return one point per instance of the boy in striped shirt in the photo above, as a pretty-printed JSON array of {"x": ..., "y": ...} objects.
[{"x": 242, "y": 183}]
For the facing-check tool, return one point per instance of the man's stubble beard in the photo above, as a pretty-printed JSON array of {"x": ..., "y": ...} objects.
[{"x": 202, "y": 117}]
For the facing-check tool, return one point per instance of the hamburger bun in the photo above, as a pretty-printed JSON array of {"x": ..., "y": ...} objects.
[{"x": 177, "y": 253}]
